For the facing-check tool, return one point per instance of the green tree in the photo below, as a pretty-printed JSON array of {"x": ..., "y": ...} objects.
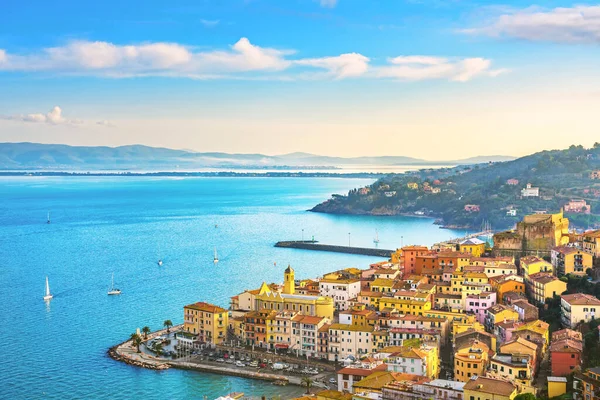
[
  {"x": 146, "y": 331},
  {"x": 137, "y": 341},
  {"x": 158, "y": 348},
  {"x": 526, "y": 396},
  {"x": 168, "y": 324},
  {"x": 306, "y": 381}
]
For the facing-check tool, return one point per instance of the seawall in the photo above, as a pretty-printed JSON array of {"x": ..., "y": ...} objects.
[{"x": 309, "y": 245}]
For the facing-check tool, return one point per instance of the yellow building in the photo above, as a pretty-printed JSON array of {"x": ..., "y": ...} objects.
[
  {"x": 382, "y": 285},
  {"x": 557, "y": 385},
  {"x": 513, "y": 368},
  {"x": 571, "y": 260},
  {"x": 279, "y": 329},
  {"x": 532, "y": 265},
  {"x": 287, "y": 300},
  {"x": 535, "y": 331},
  {"x": 489, "y": 389},
  {"x": 591, "y": 242},
  {"x": 578, "y": 307},
  {"x": 460, "y": 327},
  {"x": 206, "y": 321},
  {"x": 412, "y": 185},
  {"x": 474, "y": 246},
  {"x": 471, "y": 359},
  {"x": 420, "y": 360},
  {"x": 542, "y": 286},
  {"x": 414, "y": 306},
  {"x": 498, "y": 313}
]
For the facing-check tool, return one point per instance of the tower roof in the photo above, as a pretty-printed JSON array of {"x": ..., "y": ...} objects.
[{"x": 289, "y": 269}]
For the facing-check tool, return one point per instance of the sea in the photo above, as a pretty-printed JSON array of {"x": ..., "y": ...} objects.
[{"x": 122, "y": 225}]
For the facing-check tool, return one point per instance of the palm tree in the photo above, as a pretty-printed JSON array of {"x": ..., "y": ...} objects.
[
  {"x": 146, "y": 331},
  {"x": 158, "y": 348},
  {"x": 168, "y": 324},
  {"x": 136, "y": 340},
  {"x": 306, "y": 381}
]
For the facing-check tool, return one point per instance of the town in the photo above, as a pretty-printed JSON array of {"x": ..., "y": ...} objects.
[{"x": 458, "y": 320}]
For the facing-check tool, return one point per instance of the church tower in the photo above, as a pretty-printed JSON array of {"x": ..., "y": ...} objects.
[{"x": 289, "y": 286}]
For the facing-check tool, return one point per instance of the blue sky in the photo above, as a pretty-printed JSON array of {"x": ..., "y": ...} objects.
[{"x": 345, "y": 77}]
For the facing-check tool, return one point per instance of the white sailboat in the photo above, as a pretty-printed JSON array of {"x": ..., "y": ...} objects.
[
  {"x": 48, "y": 295},
  {"x": 216, "y": 259},
  {"x": 376, "y": 240},
  {"x": 48, "y": 221},
  {"x": 160, "y": 262},
  {"x": 113, "y": 290}
]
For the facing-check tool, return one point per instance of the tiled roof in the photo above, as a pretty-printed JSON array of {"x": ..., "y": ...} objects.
[
  {"x": 581, "y": 299},
  {"x": 206, "y": 307},
  {"x": 566, "y": 346},
  {"x": 488, "y": 385}
]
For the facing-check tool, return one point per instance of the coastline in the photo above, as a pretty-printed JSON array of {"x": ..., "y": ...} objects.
[{"x": 127, "y": 353}]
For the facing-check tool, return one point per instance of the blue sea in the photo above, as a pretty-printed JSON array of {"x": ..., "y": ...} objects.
[{"x": 122, "y": 225}]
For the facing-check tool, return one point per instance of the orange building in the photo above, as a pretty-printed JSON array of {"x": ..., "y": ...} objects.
[
  {"x": 255, "y": 324},
  {"x": 410, "y": 254},
  {"x": 503, "y": 284},
  {"x": 442, "y": 259}
]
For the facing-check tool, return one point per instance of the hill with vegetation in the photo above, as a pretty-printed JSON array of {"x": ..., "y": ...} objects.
[{"x": 469, "y": 196}]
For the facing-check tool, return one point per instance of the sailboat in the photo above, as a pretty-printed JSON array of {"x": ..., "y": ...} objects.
[
  {"x": 376, "y": 240},
  {"x": 48, "y": 217},
  {"x": 48, "y": 295},
  {"x": 216, "y": 259},
  {"x": 113, "y": 290},
  {"x": 160, "y": 262}
]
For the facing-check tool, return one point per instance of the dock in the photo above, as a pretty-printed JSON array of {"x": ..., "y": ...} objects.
[{"x": 311, "y": 245}]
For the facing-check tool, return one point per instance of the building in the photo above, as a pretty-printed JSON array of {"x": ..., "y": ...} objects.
[
  {"x": 481, "y": 388},
  {"x": 535, "y": 233},
  {"x": 556, "y": 386},
  {"x": 565, "y": 356},
  {"x": 472, "y": 208},
  {"x": 474, "y": 246},
  {"x": 591, "y": 242},
  {"x": 537, "y": 332},
  {"x": 578, "y": 307},
  {"x": 512, "y": 182},
  {"x": 268, "y": 299},
  {"x": 577, "y": 206},
  {"x": 279, "y": 329},
  {"x": 542, "y": 286},
  {"x": 413, "y": 185},
  {"x": 207, "y": 322},
  {"x": 340, "y": 290},
  {"x": 522, "y": 347},
  {"x": 420, "y": 360},
  {"x": 514, "y": 368},
  {"x": 530, "y": 191},
  {"x": 410, "y": 254},
  {"x": 504, "y": 284},
  {"x": 498, "y": 313},
  {"x": 589, "y": 383},
  {"x": 595, "y": 174},
  {"x": 571, "y": 260},
  {"x": 305, "y": 334},
  {"x": 436, "y": 389},
  {"x": 479, "y": 303},
  {"x": 471, "y": 360},
  {"x": 527, "y": 312},
  {"x": 501, "y": 268},
  {"x": 532, "y": 265},
  {"x": 348, "y": 376},
  {"x": 350, "y": 340}
]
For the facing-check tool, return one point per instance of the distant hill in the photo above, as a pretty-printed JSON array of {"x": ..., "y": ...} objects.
[
  {"x": 560, "y": 175},
  {"x": 18, "y": 156}
]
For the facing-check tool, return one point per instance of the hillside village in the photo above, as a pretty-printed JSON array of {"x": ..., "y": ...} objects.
[
  {"x": 457, "y": 322},
  {"x": 500, "y": 194}
]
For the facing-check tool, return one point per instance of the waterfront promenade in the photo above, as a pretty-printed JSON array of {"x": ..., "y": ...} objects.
[{"x": 310, "y": 245}]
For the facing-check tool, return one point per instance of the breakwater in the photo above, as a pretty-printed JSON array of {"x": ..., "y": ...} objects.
[{"x": 310, "y": 245}]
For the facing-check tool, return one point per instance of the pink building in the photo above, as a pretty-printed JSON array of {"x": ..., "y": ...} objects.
[
  {"x": 513, "y": 182},
  {"x": 472, "y": 207},
  {"x": 478, "y": 303},
  {"x": 577, "y": 206}
]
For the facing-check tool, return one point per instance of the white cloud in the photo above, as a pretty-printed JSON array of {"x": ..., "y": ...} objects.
[
  {"x": 562, "y": 24},
  {"x": 416, "y": 68},
  {"x": 52, "y": 117},
  {"x": 210, "y": 23},
  {"x": 343, "y": 66},
  {"x": 243, "y": 60},
  {"x": 328, "y": 3}
]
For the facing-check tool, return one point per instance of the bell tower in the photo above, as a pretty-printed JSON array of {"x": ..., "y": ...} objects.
[{"x": 289, "y": 285}]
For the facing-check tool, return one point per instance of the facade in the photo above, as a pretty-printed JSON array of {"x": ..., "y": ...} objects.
[
  {"x": 206, "y": 321},
  {"x": 591, "y": 242},
  {"x": 512, "y": 182},
  {"x": 305, "y": 334},
  {"x": 340, "y": 290},
  {"x": 499, "y": 313},
  {"x": 532, "y": 265},
  {"x": 348, "y": 376},
  {"x": 565, "y": 356},
  {"x": 472, "y": 207},
  {"x": 526, "y": 311},
  {"x": 516, "y": 369},
  {"x": 530, "y": 191},
  {"x": 589, "y": 383},
  {"x": 542, "y": 286},
  {"x": 471, "y": 360},
  {"x": 410, "y": 253},
  {"x": 571, "y": 260},
  {"x": 474, "y": 246},
  {"x": 482, "y": 388},
  {"x": 556, "y": 386},
  {"x": 479, "y": 303},
  {"x": 350, "y": 340},
  {"x": 423, "y": 361},
  {"x": 577, "y": 206},
  {"x": 535, "y": 233},
  {"x": 578, "y": 307}
]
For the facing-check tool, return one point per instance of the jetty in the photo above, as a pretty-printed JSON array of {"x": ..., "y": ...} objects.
[{"x": 313, "y": 245}]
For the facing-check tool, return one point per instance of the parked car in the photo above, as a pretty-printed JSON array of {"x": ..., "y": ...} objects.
[
  {"x": 277, "y": 366},
  {"x": 229, "y": 361},
  {"x": 239, "y": 364},
  {"x": 332, "y": 380},
  {"x": 254, "y": 364},
  {"x": 220, "y": 360},
  {"x": 262, "y": 365}
]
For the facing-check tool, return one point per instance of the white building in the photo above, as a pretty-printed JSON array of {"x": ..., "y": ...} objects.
[
  {"x": 350, "y": 340},
  {"x": 305, "y": 332},
  {"x": 340, "y": 290},
  {"x": 530, "y": 191}
]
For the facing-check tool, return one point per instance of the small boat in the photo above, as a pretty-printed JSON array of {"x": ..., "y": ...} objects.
[
  {"x": 48, "y": 295},
  {"x": 216, "y": 259},
  {"x": 159, "y": 262},
  {"x": 113, "y": 290},
  {"x": 376, "y": 240},
  {"x": 48, "y": 221}
]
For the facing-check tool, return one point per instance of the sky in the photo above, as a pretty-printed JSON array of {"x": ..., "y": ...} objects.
[{"x": 432, "y": 79}]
